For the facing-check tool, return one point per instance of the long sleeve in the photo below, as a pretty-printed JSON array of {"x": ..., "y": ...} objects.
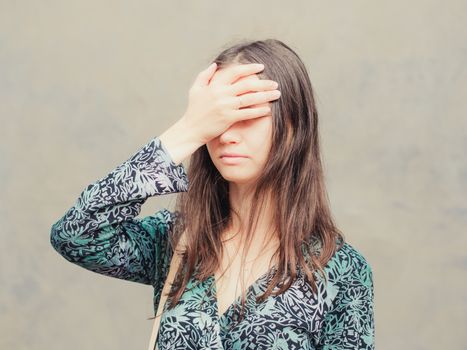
[
  {"x": 101, "y": 232},
  {"x": 349, "y": 324}
]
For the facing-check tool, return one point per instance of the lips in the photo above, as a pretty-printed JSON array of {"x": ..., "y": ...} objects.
[{"x": 232, "y": 155}]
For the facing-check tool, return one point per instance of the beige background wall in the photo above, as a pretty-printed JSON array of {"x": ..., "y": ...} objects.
[{"x": 84, "y": 84}]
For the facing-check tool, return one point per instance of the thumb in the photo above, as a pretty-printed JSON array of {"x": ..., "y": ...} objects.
[{"x": 204, "y": 76}]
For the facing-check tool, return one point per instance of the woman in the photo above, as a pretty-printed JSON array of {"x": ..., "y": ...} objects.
[{"x": 250, "y": 258}]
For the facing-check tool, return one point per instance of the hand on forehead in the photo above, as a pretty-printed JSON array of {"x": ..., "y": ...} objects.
[{"x": 221, "y": 74}]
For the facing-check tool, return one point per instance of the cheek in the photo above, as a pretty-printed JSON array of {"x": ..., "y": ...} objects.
[
  {"x": 266, "y": 129},
  {"x": 211, "y": 145},
  {"x": 210, "y": 150},
  {"x": 261, "y": 137}
]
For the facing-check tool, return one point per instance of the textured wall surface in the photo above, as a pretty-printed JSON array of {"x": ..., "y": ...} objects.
[{"x": 84, "y": 84}]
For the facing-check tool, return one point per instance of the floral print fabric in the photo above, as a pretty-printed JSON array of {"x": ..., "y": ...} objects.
[{"x": 102, "y": 233}]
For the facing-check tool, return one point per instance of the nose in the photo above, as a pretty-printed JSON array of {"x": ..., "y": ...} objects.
[{"x": 231, "y": 135}]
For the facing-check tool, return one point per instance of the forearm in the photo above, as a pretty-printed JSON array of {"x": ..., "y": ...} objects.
[{"x": 179, "y": 141}]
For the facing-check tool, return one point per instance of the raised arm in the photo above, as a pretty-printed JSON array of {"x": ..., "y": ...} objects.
[{"x": 101, "y": 232}]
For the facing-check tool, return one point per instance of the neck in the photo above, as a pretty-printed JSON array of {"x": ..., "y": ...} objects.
[{"x": 241, "y": 201}]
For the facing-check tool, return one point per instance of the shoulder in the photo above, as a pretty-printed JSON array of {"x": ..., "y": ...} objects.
[
  {"x": 349, "y": 302},
  {"x": 349, "y": 266}
]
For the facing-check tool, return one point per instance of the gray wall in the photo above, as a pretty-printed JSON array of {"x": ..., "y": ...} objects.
[{"x": 84, "y": 84}]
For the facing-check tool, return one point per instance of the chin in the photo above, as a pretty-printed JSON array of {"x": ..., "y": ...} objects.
[{"x": 236, "y": 178}]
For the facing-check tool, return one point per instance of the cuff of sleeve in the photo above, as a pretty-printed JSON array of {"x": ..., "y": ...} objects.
[
  {"x": 178, "y": 172},
  {"x": 165, "y": 152}
]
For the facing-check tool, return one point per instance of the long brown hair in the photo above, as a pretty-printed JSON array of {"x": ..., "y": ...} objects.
[{"x": 293, "y": 174}]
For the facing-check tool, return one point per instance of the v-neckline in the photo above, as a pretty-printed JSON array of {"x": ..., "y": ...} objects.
[{"x": 237, "y": 300}]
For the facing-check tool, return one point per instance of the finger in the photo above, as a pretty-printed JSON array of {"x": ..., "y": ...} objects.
[
  {"x": 251, "y": 113},
  {"x": 251, "y": 85},
  {"x": 204, "y": 76},
  {"x": 255, "y": 98},
  {"x": 234, "y": 72}
]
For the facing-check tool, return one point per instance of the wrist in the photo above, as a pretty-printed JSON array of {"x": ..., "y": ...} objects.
[{"x": 179, "y": 141}]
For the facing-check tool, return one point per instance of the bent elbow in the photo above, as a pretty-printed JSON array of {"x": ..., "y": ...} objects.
[{"x": 58, "y": 241}]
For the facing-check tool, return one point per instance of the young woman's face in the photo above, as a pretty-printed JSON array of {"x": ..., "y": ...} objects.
[{"x": 250, "y": 138}]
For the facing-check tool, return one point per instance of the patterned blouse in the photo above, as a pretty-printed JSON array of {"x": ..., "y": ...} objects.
[{"x": 102, "y": 233}]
